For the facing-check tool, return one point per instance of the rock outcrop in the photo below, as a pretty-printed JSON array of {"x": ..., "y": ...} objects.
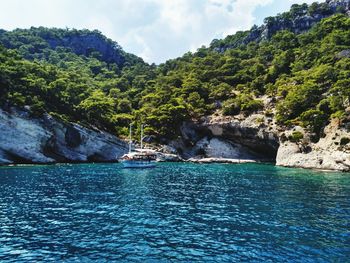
[
  {"x": 24, "y": 139},
  {"x": 257, "y": 138},
  {"x": 80, "y": 42},
  {"x": 88, "y": 42},
  {"x": 236, "y": 138},
  {"x": 168, "y": 157},
  {"x": 298, "y": 20},
  {"x": 332, "y": 152}
]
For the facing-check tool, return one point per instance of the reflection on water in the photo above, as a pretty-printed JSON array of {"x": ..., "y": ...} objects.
[{"x": 175, "y": 212}]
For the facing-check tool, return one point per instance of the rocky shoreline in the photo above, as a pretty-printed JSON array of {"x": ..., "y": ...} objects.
[
  {"x": 176, "y": 158},
  {"x": 24, "y": 139},
  {"x": 252, "y": 139}
]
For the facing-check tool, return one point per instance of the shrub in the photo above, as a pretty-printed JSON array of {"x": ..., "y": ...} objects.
[
  {"x": 314, "y": 120},
  {"x": 260, "y": 120},
  {"x": 252, "y": 105},
  {"x": 296, "y": 136},
  {"x": 243, "y": 102},
  {"x": 299, "y": 99},
  {"x": 231, "y": 107},
  {"x": 338, "y": 115},
  {"x": 269, "y": 113}
]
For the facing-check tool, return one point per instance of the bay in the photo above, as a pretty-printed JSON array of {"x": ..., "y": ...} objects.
[{"x": 177, "y": 212}]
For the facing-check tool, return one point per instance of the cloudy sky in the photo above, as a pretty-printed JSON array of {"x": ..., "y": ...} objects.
[{"x": 156, "y": 30}]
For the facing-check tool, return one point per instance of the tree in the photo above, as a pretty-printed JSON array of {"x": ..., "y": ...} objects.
[
  {"x": 97, "y": 108},
  {"x": 124, "y": 106},
  {"x": 314, "y": 120}
]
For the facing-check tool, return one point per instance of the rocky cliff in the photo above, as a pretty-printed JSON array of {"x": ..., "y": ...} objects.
[
  {"x": 257, "y": 138},
  {"x": 24, "y": 139},
  {"x": 298, "y": 20},
  {"x": 88, "y": 42},
  {"x": 239, "y": 137},
  {"x": 331, "y": 152},
  {"x": 36, "y": 42}
]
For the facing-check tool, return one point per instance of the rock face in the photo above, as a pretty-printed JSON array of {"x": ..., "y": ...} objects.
[
  {"x": 84, "y": 44},
  {"x": 80, "y": 42},
  {"x": 220, "y": 148},
  {"x": 46, "y": 140},
  {"x": 239, "y": 139},
  {"x": 168, "y": 157},
  {"x": 330, "y": 153},
  {"x": 230, "y": 138},
  {"x": 257, "y": 138}
]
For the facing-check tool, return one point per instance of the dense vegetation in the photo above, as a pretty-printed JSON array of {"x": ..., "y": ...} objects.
[
  {"x": 85, "y": 88},
  {"x": 306, "y": 76},
  {"x": 297, "y": 19}
]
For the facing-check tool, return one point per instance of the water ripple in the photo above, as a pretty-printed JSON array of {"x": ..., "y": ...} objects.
[{"x": 176, "y": 212}]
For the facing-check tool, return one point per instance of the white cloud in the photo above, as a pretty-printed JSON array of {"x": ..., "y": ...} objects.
[
  {"x": 153, "y": 29},
  {"x": 186, "y": 25}
]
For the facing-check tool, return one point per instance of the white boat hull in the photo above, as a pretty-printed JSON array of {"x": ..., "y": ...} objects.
[{"x": 138, "y": 164}]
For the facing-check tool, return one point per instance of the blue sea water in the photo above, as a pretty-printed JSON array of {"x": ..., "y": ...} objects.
[{"x": 177, "y": 212}]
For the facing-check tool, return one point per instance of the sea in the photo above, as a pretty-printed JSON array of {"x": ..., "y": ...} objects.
[{"x": 176, "y": 212}]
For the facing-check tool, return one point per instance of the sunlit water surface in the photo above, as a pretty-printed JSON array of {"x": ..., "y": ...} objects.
[{"x": 176, "y": 212}]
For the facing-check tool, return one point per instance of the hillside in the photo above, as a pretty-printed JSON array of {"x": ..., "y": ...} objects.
[
  {"x": 292, "y": 72},
  {"x": 68, "y": 72},
  {"x": 299, "y": 19},
  {"x": 44, "y": 43}
]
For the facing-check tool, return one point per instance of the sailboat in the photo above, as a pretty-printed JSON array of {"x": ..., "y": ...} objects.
[{"x": 139, "y": 158}]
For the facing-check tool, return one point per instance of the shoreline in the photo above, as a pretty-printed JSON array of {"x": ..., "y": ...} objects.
[
  {"x": 191, "y": 160},
  {"x": 227, "y": 160}
]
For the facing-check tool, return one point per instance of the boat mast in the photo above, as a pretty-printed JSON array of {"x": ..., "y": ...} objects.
[
  {"x": 141, "y": 135},
  {"x": 130, "y": 140}
]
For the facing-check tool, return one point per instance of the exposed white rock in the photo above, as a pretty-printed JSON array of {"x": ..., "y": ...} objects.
[
  {"x": 241, "y": 137},
  {"x": 28, "y": 140},
  {"x": 167, "y": 149},
  {"x": 218, "y": 148},
  {"x": 81, "y": 144},
  {"x": 216, "y": 130},
  {"x": 256, "y": 134},
  {"x": 22, "y": 139},
  {"x": 168, "y": 157},
  {"x": 326, "y": 154},
  {"x": 46, "y": 140},
  {"x": 235, "y": 137}
]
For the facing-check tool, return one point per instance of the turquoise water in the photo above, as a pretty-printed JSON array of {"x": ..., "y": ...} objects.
[{"x": 173, "y": 213}]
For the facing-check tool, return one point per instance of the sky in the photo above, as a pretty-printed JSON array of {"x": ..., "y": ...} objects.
[{"x": 156, "y": 30}]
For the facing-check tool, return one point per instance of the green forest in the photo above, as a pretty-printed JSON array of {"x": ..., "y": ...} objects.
[{"x": 306, "y": 76}]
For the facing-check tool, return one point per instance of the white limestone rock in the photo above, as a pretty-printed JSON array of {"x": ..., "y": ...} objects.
[
  {"x": 219, "y": 148},
  {"x": 46, "y": 140},
  {"x": 326, "y": 154},
  {"x": 22, "y": 140}
]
